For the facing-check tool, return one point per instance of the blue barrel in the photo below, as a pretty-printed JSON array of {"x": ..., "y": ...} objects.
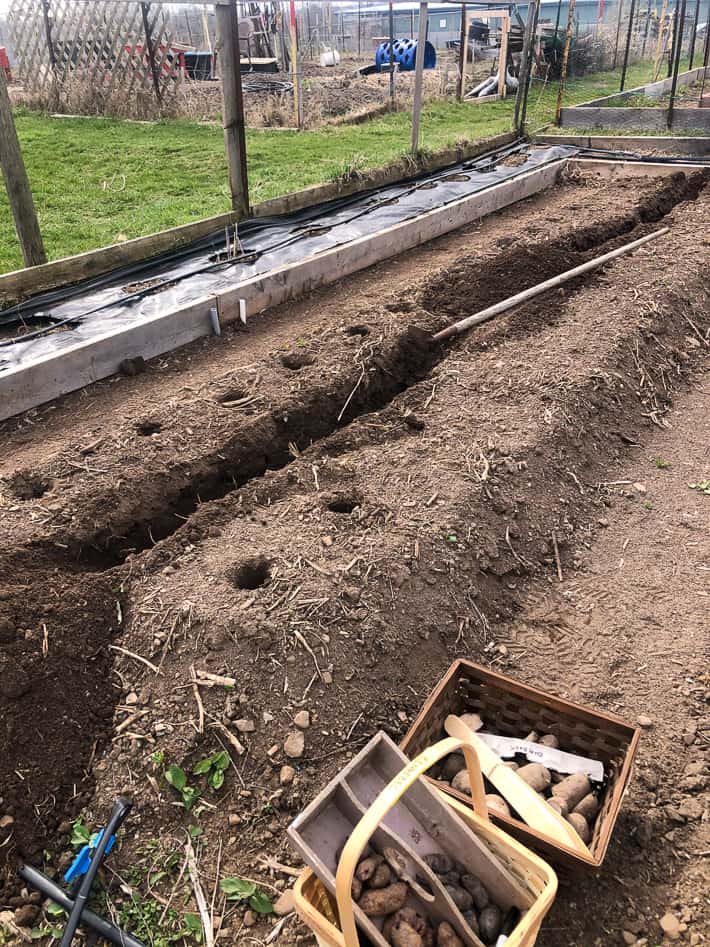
[{"x": 405, "y": 51}]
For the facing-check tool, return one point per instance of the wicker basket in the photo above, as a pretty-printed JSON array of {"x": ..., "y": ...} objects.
[
  {"x": 514, "y": 709},
  {"x": 331, "y": 915}
]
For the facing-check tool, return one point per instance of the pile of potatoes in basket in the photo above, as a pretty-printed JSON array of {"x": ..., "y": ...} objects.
[
  {"x": 381, "y": 889},
  {"x": 572, "y": 796}
]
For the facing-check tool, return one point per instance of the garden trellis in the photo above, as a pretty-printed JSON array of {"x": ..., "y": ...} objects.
[{"x": 126, "y": 45}]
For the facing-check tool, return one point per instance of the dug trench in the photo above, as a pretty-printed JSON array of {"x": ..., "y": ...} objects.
[{"x": 447, "y": 511}]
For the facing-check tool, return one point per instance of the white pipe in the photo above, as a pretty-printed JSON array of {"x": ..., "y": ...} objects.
[{"x": 458, "y": 327}]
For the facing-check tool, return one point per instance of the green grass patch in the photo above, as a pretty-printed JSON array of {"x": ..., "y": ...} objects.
[{"x": 100, "y": 181}]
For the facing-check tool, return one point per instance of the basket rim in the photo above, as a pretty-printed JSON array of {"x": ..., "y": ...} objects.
[{"x": 457, "y": 671}]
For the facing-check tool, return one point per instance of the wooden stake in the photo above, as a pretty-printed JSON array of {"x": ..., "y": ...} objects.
[
  {"x": 233, "y": 105},
  {"x": 17, "y": 184},
  {"x": 295, "y": 72},
  {"x": 458, "y": 327},
  {"x": 565, "y": 60},
  {"x": 503, "y": 58},
  {"x": 659, "y": 41},
  {"x": 618, "y": 33},
  {"x": 419, "y": 74},
  {"x": 525, "y": 66}
]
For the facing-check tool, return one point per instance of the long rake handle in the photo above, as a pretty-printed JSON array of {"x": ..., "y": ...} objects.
[{"x": 458, "y": 327}]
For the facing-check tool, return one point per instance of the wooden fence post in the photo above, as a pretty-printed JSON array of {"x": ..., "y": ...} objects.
[
  {"x": 233, "y": 105},
  {"x": 627, "y": 47},
  {"x": 17, "y": 184},
  {"x": 419, "y": 73}
]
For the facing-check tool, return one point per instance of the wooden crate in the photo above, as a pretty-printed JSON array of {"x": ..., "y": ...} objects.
[{"x": 514, "y": 709}]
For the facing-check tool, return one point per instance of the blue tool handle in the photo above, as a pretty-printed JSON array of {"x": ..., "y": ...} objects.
[{"x": 121, "y": 808}]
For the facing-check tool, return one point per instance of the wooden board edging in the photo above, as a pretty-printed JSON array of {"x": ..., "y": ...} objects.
[
  {"x": 20, "y": 284},
  {"x": 667, "y": 144},
  {"x": 76, "y": 366}
]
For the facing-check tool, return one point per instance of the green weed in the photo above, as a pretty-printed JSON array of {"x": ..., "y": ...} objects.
[{"x": 239, "y": 889}]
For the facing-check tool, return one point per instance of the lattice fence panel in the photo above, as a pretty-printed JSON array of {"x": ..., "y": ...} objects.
[{"x": 105, "y": 45}]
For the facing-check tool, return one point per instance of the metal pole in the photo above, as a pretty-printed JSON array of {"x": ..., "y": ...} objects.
[
  {"x": 359, "y": 42},
  {"x": 671, "y": 58},
  {"x": 18, "y": 186},
  {"x": 233, "y": 105},
  {"x": 676, "y": 64},
  {"x": 706, "y": 56},
  {"x": 419, "y": 74},
  {"x": 565, "y": 59},
  {"x": 691, "y": 51},
  {"x": 628, "y": 45},
  {"x": 521, "y": 100},
  {"x": 145, "y": 7},
  {"x": 391, "y": 16},
  {"x": 48, "y": 35},
  {"x": 463, "y": 52}
]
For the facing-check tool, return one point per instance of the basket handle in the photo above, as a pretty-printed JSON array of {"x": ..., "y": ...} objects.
[{"x": 386, "y": 800}]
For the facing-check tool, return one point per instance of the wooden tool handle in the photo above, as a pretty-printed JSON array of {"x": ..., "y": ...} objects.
[
  {"x": 530, "y": 807},
  {"x": 386, "y": 800}
]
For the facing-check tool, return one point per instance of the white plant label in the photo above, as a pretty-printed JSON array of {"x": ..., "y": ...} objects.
[{"x": 507, "y": 747}]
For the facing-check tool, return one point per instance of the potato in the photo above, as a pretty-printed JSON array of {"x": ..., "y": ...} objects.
[
  {"x": 367, "y": 867},
  {"x": 452, "y": 765},
  {"x": 471, "y": 919},
  {"x": 356, "y": 889},
  {"x": 588, "y": 807},
  {"x": 382, "y": 901},
  {"x": 532, "y": 737},
  {"x": 580, "y": 825},
  {"x": 451, "y": 878},
  {"x": 511, "y": 764},
  {"x": 536, "y": 776},
  {"x": 477, "y": 891},
  {"x": 404, "y": 935},
  {"x": 446, "y": 936},
  {"x": 439, "y": 862},
  {"x": 490, "y": 922},
  {"x": 382, "y": 876},
  {"x": 550, "y": 740},
  {"x": 573, "y": 789},
  {"x": 415, "y": 920},
  {"x": 559, "y": 805},
  {"x": 497, "y": 804},
  {"x": 462, "y": 782},
  {"x": 472, "y": 721},
  {"x": 460, "y": 896}
]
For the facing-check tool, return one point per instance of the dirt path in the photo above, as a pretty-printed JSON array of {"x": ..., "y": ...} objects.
[{"x": 328, "y": 510}]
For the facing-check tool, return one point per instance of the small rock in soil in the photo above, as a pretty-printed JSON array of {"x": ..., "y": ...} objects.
[
  {"x": 302, "y": 720},
  {"x": 691, "y": 809},
  {"x": 234, "y": 819},
  {"x": 245, "y": 726},
  {"x": 628, "y": 937},
  {"x": 6, "y": 821},
  {"x": 644, "y": 721},
  {"x": 287, "y": 775},
  {"x": 26, "y": 915},
  {"x": 249, "y": 919},
  {"x": 285, "y": 904},
  {"x": 690, "y": 733},
  {"x": 670, "y": 925},
  {"x": 294, "y": 744}
]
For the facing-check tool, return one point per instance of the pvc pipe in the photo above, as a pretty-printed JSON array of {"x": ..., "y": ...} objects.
[{"x": 458, "y": 327}]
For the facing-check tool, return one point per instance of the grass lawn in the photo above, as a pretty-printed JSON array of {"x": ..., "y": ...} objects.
[{"x": 98, "y": 181}]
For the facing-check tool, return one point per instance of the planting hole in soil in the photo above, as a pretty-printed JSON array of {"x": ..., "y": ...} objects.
[
  {"x": 294, "y": 361},
  {"x": 25, "y": 485},
  {"x": 252, "y": 573},
  {"x": 357, "y": 330},
  {"x": 146, "y": 428}
]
